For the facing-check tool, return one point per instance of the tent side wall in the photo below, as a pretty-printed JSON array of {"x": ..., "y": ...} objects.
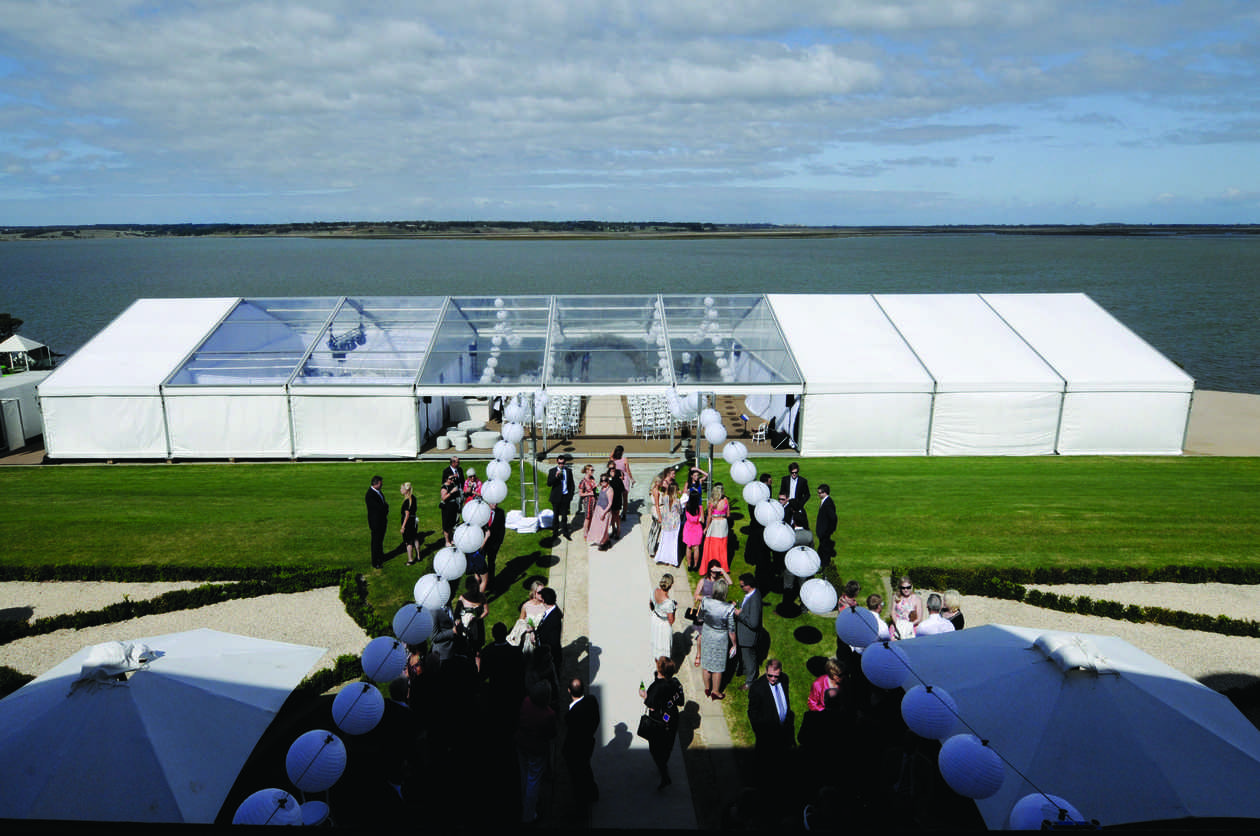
[
  {"x": 1124, "y": 423},
  {"x": 372, "y": 423},
  {"x": 101, "y": 427},
  {"x": 866, "y": 424},
  {"x": 228, "y": 424}
]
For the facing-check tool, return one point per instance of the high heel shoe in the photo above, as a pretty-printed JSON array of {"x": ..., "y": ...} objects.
[{"x": 708, "y": 692}]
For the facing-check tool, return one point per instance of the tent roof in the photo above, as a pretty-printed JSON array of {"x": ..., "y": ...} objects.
[
  {"x": 19, "y": 343},
  {"x": 1094, "y": 352}
]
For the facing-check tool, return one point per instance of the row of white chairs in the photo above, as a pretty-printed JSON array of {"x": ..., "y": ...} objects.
[
  {"x": 564, "y": 416},
  {"x": 650, "y": 416}
]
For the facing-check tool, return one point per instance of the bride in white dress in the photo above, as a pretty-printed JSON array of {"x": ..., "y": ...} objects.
[{"x": 670, "y": 514}]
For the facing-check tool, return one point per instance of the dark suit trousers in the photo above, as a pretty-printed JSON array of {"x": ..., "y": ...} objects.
[
  {"x": 578, "y": 758},
  {"x": 378, "y": 545},
  {"x": 748, "y": 661}
]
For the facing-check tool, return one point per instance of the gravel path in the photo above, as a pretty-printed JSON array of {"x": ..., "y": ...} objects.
[
  {"x": 316, "y": 618},
  {"x": 49, "y": 599}
]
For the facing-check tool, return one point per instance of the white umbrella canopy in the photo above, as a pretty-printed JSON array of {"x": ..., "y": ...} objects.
[
  {"x": 165, "y": 745},
  {"x": 1122, "y": 736}
]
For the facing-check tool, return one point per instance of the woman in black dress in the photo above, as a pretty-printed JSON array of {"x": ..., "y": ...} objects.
[
  {"x": 619, "y": 499},
  {"x": 664, "y": 700},
  {"x": 448, "y": 502},
  {"x": 411, "y": 537}
]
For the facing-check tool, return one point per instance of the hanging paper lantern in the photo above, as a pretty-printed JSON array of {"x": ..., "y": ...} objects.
[
  {"x": 315, "y": 761},
  {"x": 768, "y": 512},
  {"x": 513, "y": 433},
  {"x": 314, "y": 813},
  {"x": 715, "y": 433},
  {"x": 514, "y": 411},
  {"x": 709, "y": 301},
  {"x": 819, "y": 596},
  {"x": 710, "y": 416},
  {"x": 413, "y": 624},
  {"x": 494, "y": 491},
  {"x": 674, "y": 403},
  {"x": 450, "y": 563},
  {"x": 504, "y": 451},
  {"x": 498, "y": 301},
  {"x": 755, "y": 492},
  {"x": 384, "y": 658},
  {"x": 540, "y": 404},
  {"x": 496, "y": 470},
  {"x": 801, "y": 561},
  {"x": 432, "y": 592},
  {"x": 467, "y": 538},
  {"x": 1031, "y": 810},
  {"x": 743, "y": 472},
  {"x": 929, "y": 711},
  {"x": 357, "y": 708},
  {"x": 884, "y": 665},
  {"x": 691, "y": 404},
  {"x": 734, "y": 451},
  {"x": 269, "y": 806},
  {"x": 779, "y": 537},
  {"x": 970, "y": 767},
  {"x": 857, "y": 626},
  {"x": 477, "y": 512}
]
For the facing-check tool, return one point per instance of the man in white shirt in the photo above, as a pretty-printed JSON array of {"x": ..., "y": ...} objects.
[{"x": 934, "y": 623}]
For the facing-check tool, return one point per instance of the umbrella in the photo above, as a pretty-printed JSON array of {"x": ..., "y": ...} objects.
[
  {"x": 1122, "y": 736},
  {"x": 164, "y": 743}
]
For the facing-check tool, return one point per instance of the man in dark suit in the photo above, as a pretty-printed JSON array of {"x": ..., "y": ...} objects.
[
  {"x": 378, "y": 519},
  {"x": 550, "y": 627},
  {"x": 581, "y": 723},
  {"x": 794, "y": 517},
  {"x": 771, "y": 718},
  {"x": 748, "y": 627},
  {"x": 497, "y": 528},
  {"x": 560, "y": 480},
  {"x": 503, "y": 666},
  {"x": 796, "y": 487},
  {"x": 825, "y": 524},
  {"x": 454, "y": 469}
]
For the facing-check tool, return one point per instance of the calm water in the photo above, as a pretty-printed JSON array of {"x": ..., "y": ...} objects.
[{"x": 1195, "y": 298}]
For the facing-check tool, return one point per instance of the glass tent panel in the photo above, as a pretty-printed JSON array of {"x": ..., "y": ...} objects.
[
  {"x": 607, "y": 340},
  {"x": 373, "y": 340},
  {"x": 728, "y": 339},
  {"x": 494, "y": 341}
]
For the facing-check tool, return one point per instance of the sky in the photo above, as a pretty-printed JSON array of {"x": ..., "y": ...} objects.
[{"x": 835, "y": 112}]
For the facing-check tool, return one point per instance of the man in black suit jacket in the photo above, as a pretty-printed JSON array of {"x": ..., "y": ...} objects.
[
  {"x": 560, "y": 480},
  {"x": 550, "y": 627},
  {"x": 378, "y": 518},
  {"x": 796, "y": 487},
  {"x": 454, "y": 469},
  {"x": 825, "y": 525},
  {"x": 773, "y": 725},
  {"x": 581, "y": 723}
]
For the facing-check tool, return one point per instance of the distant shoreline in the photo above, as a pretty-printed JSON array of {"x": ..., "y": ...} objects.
[{"x": 588, "y": 230}]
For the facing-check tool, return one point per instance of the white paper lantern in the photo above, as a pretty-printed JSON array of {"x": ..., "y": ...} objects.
[
  {"x": 314, "y": 813},
  {"x": 315, "y": 761},
  {"x": 691, "y": 404},
  {"x": 269, "y": 806},
  {"x": 492, "y": 362},
  {"x": 450, "y": 563},
  {"x": 1031, "y": 810},
  {"x": 929, "y": 712},
  {"x": 801, "y": 561},
  {"x": 743, "y": 472},
  {"x": 432, "y": 592},
  {"x": 674, "y": 403},
  {"x": 513, "y": 433},
  {"x": 384, "y": 658},
  {"x": 779, "y": 537},
  {"x": 857, "y": 626},
  {"x": 498, "y": 301},
  {"x": 819, "y": 596},
  {"x": 468, "y": 538},
  {"x": 715, "y": 434},
  {"x": 884, "y": 665},
  {"x": 494, "y": 491},
  {"x": 413, "y": 624},
  {"x": 514, "y": 411},
  {"x": 755, "y": 492},
  {"x": 970, "y": 768},
  {"x": 357, "y": 708},
  {"x": 709, "y": 301},
  {"x": 768, "y": 512},
  {"x": 541, "y": 399},
  {"x": 496, "y": 470},
  {"x": 504, "y": 451},
  {"x": 734, "y": 451},
  {"x": 477, "y": 512},
  {"x": 710, "y": 416}
]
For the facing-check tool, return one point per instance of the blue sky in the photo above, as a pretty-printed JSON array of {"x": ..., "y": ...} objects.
[{"x": 801, "y": 112}]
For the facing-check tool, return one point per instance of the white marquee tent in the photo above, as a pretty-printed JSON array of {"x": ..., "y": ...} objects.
[{"x": 933, "y": 374}]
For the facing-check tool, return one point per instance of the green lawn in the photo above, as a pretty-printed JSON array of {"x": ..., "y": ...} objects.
[{"x": 1025, "y": 512}]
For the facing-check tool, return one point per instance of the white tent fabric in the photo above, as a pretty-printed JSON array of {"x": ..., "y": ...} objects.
[
  {"x": 886, "y": 374},
  {"x": 1122, "y": 396},
  {"x": 866, "y": 391},
  {"x": 19, "y": 408},
  {"x": 166, "y": 745},
  {"x": 1117, "y": 733}
]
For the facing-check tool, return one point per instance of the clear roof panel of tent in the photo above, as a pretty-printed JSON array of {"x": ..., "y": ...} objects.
[
  {"x": 372, "y": 341},
  {"x": 260, "y": 342},
  {"x": 491, "y": 341},
  {"x": 607, "y": 341},
  {"x": 731, "y": 339}
]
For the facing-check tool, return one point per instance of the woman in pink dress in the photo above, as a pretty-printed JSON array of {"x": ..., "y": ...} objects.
[
  {"x": 693, "y": 530},
  {"x": 602, "y": 519},
  {"x": 716, "y": 530},
  {"x": 587, "y": 488},
  {"x": 907, "y": 610}
]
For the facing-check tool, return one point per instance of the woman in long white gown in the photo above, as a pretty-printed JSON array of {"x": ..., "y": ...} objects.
[
  {"x": 671, "y": 518},
  {"x": 663, "y": 609}
]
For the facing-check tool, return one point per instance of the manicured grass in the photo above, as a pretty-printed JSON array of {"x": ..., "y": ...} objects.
[{"x": 1025, "y": 512}]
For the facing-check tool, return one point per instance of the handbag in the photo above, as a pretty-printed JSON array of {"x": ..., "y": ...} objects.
[
  {"x": 647, "y": 726},
  {"x": 692, "y": 614}
]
